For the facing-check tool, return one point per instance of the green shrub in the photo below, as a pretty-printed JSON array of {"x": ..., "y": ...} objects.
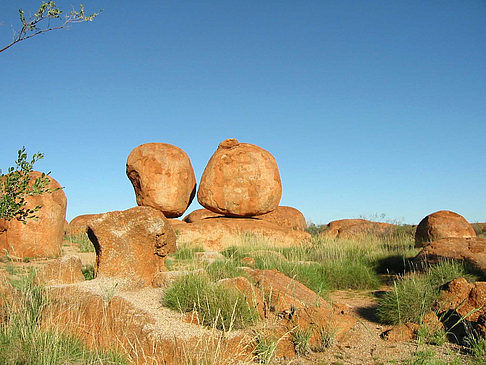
[
  {"x": 300, "y": 339},
  {"x": 264, "y": 348},
  {"x": 408, "y": 301},
  {"x": 413, "y": 296},
  {"x": 216, "y": 306},
  {"x": 88, "y": 272}
]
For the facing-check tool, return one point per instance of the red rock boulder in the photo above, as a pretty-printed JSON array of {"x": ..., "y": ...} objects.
[
  {"x": 240, "y": 180},
  {"x": 470, "y": 250},
  {"x": 200, "y": 214},
  {"x": 286, "y": 217},
  {"x": 352, "y": 228},
  {"x": 215, "y": 234},
  {"x": 131, "y": 244},
  {"x": 37, "y": 238},
  {"x": 79, "y": 224},
  {"x": 163, "y": 178},
  {"x": 442, "y": 224}
]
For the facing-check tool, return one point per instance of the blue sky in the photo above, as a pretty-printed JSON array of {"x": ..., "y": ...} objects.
[{"x": 369, "y": 107}]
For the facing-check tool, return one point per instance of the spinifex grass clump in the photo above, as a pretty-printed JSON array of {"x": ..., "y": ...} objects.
[
  {"x": 23, "y": 341},
  {"x": 414, "y": 295},
  {"x": 215, "y": 305},
  {"x": 224, "y": 269}
]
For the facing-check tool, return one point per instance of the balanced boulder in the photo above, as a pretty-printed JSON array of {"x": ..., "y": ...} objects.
[
  {"x": 162, "y": 177},
  {"x": 131, "y": 244},
  {"x": 240, "y": 180},
  {"x": 40, "y": 238},
  {"x": 442, "y": 224}
]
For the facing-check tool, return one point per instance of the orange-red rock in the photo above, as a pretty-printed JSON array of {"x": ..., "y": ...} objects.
[
  {"x": 286, "y": 217},
  {"x": 351, "y": 228},
  {"x": 65, "y": 270},
  {"x": 467, "y": 299},
  {"x": 200, "y": 214},
  {"x": 295, "y": 306},
  {"x": 163, "y": 178},
  {"x": 240, "y": 180},
  {"x": 471, "y": 250},
  {"x": 131, "y": 244},
  {"x": 442, "y": 224},
  {"x": 218, "y": 233},
  {"x": 401, "y": 332},
  {"x": 79, "y": 224},
  {"x": 253, "y": 296},
  {"x": 37, "y": 238}
]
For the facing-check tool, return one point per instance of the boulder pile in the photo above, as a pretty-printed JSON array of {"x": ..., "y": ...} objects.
[{"x": 241, "y": 189}]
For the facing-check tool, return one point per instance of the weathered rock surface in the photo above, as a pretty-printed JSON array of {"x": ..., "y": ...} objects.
[
  {"x": 134, "y": 322},
  {"x": 131, "y": 244},
  {"x": 471, "y": 250},
  {"x": 468, "y": 301},
  {"x": 286, "y": 217},
  {"x": 442, "y": 224},
  {"x": 296, "y": 306},
  {"x": 240, "y": 180},
  {"x": 162, "y": 177},
  {"x": 352, "y": 228},
  {"x": 215, "y": 234},
  {"x": 65, "y": 270},
  {"x": 79, "y": 224},
  {"x": 200, "y": 214},
  {"x": 37, "y": 238}
]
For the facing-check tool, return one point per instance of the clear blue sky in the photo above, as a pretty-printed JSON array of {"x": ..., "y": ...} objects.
[{"x": 368, "y": 106}]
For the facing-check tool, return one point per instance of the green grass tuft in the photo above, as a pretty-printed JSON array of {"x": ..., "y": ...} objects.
[{"x": 216, "y": 306}]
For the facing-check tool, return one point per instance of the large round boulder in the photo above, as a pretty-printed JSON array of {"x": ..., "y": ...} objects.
[
  {"x": 240, "y": 180},
  {"x": 162, "y": 177},
  {"x": 354, "y": 228},
  {"x": 40, "y": 238},
  {"x": 442, "y": 224}
]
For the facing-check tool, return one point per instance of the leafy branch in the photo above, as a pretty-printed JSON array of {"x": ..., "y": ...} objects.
[
  {"x": 17, "y": 185},
  {"x": 40, "y": 22}
]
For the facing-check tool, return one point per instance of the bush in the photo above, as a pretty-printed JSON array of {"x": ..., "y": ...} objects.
[
  {"x": 414, "y": 295},
  {"x": 215, "y": 305}
]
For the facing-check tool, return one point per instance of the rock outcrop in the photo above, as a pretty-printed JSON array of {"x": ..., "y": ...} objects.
[
  {"x": 132, "y": 244},
  {"x": 65, "y": 270},
  {"x": 442, "y": 224},
  {"x": 163, "y": 178},
  {"x": 352, "y": 228},
  {"x": 39, "y": 238},
  {"x": 240, "y": 180},
  {"x": 470, "y": 250},
  {"x": 467, "y": 301},
  {"x": 215, "y": 234},
  {"x": 200, "y": 214},
  {"x": 286, "y": 217}
]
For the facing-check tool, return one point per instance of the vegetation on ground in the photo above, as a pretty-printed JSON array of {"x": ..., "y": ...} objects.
[
  {"x": 215, "y": 305},
  {"x": 413, "y": 295},
  {"x": 24, "y": 341},
  {"x": 81, "y": 240}
]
